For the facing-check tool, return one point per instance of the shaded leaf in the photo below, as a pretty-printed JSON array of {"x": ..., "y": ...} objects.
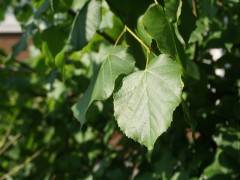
[
  {"x": 47, "y": 54},
  {"x": 187, "y": 22},
  {"x": 173, "y": 9},
  {"x": 60, "y": 5},
  {"x": 145, "y": 103},
  {"x": 60, "y": 61},
  {"x": 188, "y": 118},
  {"x": 84, "y": 26},
  {"x": 117, "y": 62},
  {"x": 44, "y": 7},
  {"x": 53, "y": 41},
  {"x": 157, "y": 25},
  {"x": 192, "y": 71}
]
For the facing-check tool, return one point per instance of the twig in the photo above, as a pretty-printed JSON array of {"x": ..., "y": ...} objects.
[
  {"x": 5, "y": 136},
  {"x": 195, "y": 11},
  {"x": 25, "y": 66},
  {"x": 7, "y": 145},
  {"x": 106, "y": 36},
  {"x": 20, "y": 166}
]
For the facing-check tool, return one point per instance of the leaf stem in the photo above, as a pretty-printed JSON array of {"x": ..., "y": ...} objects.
[
  {"x": 119, "y": 37},
  {"x": 141, "y": 42},
  {"x": 156, "y": 1},
  {"x": 195, "y": 10},
  {"x": 137, "y": 38}
]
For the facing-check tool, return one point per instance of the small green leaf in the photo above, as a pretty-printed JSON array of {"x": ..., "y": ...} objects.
[
  {"x": 84, "y": 26},
  {"x": 187, "y": 22},
  {"x": 55, "y": 38},
  {"x": 173, "y": 9},
  {"x": 117, "y": 62},
  {"x": 192, "y": 71},
  {"x": 188, "y": 118},
  {"x": 145, "y": 103},
  {"x": 52, "y": 43},
  {"x": 44, "y": 7},
  {"x": 49, "y": 60},
  {"x": 60, "y": 5},
  {"x": 60, "y": 61},
  {"x": 157, "y": 25}
]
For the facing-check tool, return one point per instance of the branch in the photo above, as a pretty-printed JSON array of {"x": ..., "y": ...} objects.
[
  {"x": 195, "y": 11},
  {"x": 25, "y": 66},
  {"x": 7, "y": 145},
  {"x": 5, "y": 136},
  {"x": 106, "y": 36},
  {"x": 20, "y": 166}
]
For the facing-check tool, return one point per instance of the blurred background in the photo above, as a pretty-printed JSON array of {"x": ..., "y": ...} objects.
[{"x": 40, "y": 138}]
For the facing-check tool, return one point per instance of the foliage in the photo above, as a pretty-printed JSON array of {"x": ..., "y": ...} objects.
[{"x": 123, "y": 74}]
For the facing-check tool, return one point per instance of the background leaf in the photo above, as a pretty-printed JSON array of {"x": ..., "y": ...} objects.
[
  {"x": 157, "y": 25},
  {"x": 52, "y": 41},
  {"x": 187, "y": 21},
  {"x": 84, "y": 26},
  {"x": 173, "y": 9}
]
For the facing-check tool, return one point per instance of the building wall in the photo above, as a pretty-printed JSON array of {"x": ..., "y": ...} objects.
[{"x": 7, "y": 40}]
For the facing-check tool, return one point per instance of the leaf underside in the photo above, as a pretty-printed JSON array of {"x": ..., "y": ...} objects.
[
  {"x": 145, "y": 103},
  {"x": 117, "y": 62}
]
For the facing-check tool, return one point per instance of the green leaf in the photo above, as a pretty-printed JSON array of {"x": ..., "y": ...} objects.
[
  {"x": 44, "y": 7},
  {"x": 187, "y": 22},
  {"x": 84, "y": 26},
  {"x": 157, "y": 25},
  {"x": 2, "y": 11},
  {"x": 60, "y": 61},
  {"x": 145, "y": 103},
  {"x": 188, "y": 117},
  {"x": 60, "y": 5},
  {"x": 173, "y": 9},
  {"x": 47, "y": 54},
  {"x": 192, "y": 71},
  {"x": 52, "y": 42},
  {"x": 117, "y": 62}
]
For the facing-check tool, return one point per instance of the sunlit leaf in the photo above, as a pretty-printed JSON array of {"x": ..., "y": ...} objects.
[{"x": 145, "y": 103}]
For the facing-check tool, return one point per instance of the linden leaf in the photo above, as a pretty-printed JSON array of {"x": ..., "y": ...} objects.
[{"x": 145, "y": 103}]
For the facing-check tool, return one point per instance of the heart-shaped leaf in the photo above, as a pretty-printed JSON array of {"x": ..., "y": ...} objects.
[{"x": 145, "y": 103}]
